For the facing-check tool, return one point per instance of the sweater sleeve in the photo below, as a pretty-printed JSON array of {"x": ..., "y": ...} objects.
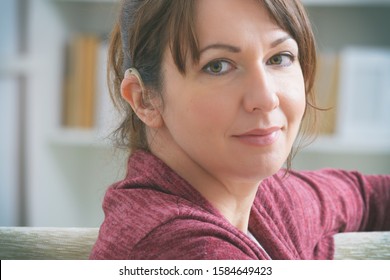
[
  {"x": 183, "y": 239},
  {"x": 376, "y": 199},
  {"x": 350, "y": 201}
]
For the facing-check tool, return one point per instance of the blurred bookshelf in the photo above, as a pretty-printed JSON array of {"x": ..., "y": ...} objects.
[
  {"x": 344, "y": 28},
  {"x": 71, "y": 165}
]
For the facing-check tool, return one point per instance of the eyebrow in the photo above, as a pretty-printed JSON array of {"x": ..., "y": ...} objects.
[
  {"x": 235, "y": 49},
  {"x": 229, "y": 48},
  {"x": 280, "y": 40}
]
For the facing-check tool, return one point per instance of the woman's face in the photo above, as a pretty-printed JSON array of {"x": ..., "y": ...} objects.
[{"x": 236, "y": 113}]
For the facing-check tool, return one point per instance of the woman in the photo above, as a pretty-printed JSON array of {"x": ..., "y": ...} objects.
[{"x": 214, "y": 93}]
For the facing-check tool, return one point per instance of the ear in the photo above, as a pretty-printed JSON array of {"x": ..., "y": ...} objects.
[{"x": 132, "y": 90}]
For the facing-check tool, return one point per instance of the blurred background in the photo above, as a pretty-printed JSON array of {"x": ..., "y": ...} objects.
[{"x": 55, "y": 160}]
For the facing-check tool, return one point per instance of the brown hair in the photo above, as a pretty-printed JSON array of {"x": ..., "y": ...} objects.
[{"x": 146, "y": 27}]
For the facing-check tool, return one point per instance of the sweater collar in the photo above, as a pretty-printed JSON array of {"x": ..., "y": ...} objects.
[{"x": 145, "y": 170}]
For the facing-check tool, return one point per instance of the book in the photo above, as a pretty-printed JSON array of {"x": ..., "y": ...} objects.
[
  {"x": 80, "y": 82},
  {"x": 326, "y": 88}
]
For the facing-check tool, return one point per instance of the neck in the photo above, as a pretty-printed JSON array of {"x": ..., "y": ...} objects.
[
  {"x": 235, "y": 208},
  {"x": 233, "y": 199}
]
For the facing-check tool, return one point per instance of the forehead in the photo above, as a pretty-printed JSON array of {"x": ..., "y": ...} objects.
[{"x": 233, "y": 19}]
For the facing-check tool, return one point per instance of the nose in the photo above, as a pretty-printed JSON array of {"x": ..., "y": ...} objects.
[{"x": 260, "y": 91}]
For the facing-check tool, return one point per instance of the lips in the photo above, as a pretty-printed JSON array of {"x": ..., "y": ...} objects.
[{"x": 260, "y": 137}]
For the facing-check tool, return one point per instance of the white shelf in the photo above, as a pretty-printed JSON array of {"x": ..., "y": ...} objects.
[
  {"x": 79, "y": 138},
  {"x": 336, "y": 145},
  {"x": 15, "y": 65}
]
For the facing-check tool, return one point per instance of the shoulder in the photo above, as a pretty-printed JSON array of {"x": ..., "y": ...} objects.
[
  {"x": 333, "y": 182},
  {"x": 130, "y": 215},
  {"x": 320, "y": 179},
  {"x": 322, "y": 192},
  {"x": 315, "y": 176}
]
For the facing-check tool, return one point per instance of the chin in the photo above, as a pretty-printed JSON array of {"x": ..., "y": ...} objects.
[{"x": 260, "y": 171}]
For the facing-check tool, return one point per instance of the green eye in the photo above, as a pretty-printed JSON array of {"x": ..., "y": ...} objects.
[
  {"x": 277, "y": 59},
  {"x": 282, "y": 59},
  {"x": 218, "y": 67}
]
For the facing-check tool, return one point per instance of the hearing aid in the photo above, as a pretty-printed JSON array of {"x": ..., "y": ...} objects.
[{"x": 133, "y": 71}]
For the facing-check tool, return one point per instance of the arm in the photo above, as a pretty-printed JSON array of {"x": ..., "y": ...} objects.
[
  {"x": 376, "y": 196},
  {"x": 349, "y": 201}
]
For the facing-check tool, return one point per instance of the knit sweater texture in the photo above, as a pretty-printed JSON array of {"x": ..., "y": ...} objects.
[{"x": 155, "y": 214}]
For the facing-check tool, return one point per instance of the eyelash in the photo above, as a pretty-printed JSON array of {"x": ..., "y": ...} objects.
[
  {"x": 289, "y": 55},
  {"x": 207, "y": 69}
]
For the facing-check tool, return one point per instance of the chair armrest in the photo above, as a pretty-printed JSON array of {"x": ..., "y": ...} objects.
[
  {"x": 363, "y": 246},
  {"x": 46, "y": 243}
]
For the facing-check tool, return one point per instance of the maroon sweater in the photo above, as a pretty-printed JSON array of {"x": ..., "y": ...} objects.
[{"x": 155, "y": 214}]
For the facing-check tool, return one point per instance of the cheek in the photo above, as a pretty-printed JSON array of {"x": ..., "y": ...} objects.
[
  {"x": 301, "y": 101},
  {"x": 298, "y": 105},
  {"x": 213, "y": 109},
  {"x": 295, "y": 99},
  {"x": 293, "y": 104},
  {"x": 208, "y": 108},
  {"x": 189, "y": 114}
]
